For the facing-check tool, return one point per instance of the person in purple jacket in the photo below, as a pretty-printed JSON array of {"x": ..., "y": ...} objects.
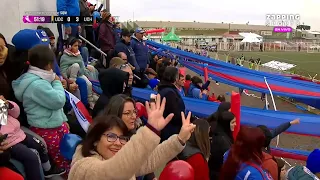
[{"x": 106, "y": 39}]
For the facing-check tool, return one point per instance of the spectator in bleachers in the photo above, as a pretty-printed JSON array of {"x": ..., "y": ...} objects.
[
  {"x": 221, "y": 142},
  {"x": 9, "y": 68},
  {"x": 71, "y": 86},
  {"x": 40, "y": 90},
  {"x": 122, "y": 65},
  {"x": 151, "y": 74},
  {"x": 124, "y": 46},
  {"x": 107, "y": 39},
  {"x": 51, "y": 36},
  {"x": 274, "y": 133},
  {"x": 282, "y": 170},
  {"x": 187, "y": 83},
  {"x": 124, "y": 107},
  {"x": 310, "y": 171},
  {"x": 117, "y": 31},
  {"x": 152, "y": 78},
  {"x": 197, "y": 150},
  {"x": 221, "y": 98},
  {"x": 154, "y": 61},
  {"x": 162, "y": 65},
  {"x": 123, "y": 56},
  {"x": 107, "y": 152},
  {"x": 72, "y": 67},
  {"x": 180, "y": 85},
  {"x": 223, "y": 106},
  {"x": 113, "y": 81},
  {"x": 86, "y": 9},
  {"x": 140, "y": 49},
  {"x": 196, "y": 90},
  {"x": 24, "y": 40},
  {"x": 175, "y": 104},
  {"x": 67, "y": 8},
  {"x": 243, "y": 161},
  {"x": 18, "y": 144}
]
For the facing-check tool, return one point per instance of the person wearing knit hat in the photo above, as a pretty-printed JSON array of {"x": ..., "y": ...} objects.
[{"x": 313, "y": 162}]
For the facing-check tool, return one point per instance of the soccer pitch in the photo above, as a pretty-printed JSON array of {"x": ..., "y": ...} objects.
[{"x": 307, "y": 63}]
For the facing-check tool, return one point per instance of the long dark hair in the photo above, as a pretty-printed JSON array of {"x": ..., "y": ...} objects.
[
  {"x": 5, "y": 89},
  {"x": 224, "y": 106},
  {"x": 4, "y": 39},
  {"x": 200, "y": 137},
  {"x": 116, "y": 105},
  {"x": 247, "y": 148},
  {"x": 100, "y": 125}
]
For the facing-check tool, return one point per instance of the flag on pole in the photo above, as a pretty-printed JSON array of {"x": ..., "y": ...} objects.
[{"x": 80, "y": 111}]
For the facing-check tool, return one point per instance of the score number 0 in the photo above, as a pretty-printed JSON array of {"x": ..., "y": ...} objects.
[{"x": 68, "y": 19}]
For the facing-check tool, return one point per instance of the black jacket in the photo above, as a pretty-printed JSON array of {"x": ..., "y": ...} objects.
[
  {"x": 9, "y": 71},
  {"x": 127, "y": 49},
  {"x": 84, "y": 9},
  {"x": 174, "y": 105},
  {"x": 111, "y": 82},
  {"x": 221, "y": 142}
]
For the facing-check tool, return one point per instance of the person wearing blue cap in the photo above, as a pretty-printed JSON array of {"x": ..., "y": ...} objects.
[{"x": 140, "y": 49}]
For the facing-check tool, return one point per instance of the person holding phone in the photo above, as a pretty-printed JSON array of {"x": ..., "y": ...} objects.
[{"x": 17, "y": 143}]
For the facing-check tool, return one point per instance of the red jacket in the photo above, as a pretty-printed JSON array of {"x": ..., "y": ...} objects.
[
  {"x": 187, "y": 86},
  {"x": 200, "y": 166},
  {"x": 269, "y": 164}
]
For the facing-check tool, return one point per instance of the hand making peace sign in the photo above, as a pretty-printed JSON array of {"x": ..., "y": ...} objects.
[{"x": 187, "y": 128}]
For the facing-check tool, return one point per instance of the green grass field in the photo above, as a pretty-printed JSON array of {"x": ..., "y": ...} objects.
[{"x": 307, "y": 63}]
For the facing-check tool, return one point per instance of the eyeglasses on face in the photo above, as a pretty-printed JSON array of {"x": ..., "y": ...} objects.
[
  {"x": 111, "y": 137},
  {"x": 124, "y": 66},
  {"x": 131, "y": 113}
]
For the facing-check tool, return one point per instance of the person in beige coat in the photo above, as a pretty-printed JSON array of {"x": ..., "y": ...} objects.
[{"x": 107, "y": 154}]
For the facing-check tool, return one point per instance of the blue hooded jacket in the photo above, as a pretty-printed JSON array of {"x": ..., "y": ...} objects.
[
  {"x": 68, "y": 8},
  {"x": 42, "y": 101},
  {"x": 141, "y": 51},
  {"x": 194, "y": 92}
]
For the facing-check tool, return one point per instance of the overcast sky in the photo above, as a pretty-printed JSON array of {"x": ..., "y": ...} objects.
[{"x": 230, "y": 11}]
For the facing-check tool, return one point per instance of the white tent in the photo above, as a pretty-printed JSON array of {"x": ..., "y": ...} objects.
[
  {"x": 250, "y": 35},
  {"x": 251, "y": 39}
]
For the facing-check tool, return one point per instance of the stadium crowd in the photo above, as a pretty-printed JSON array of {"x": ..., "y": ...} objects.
[{"x": 126, "y": 140}]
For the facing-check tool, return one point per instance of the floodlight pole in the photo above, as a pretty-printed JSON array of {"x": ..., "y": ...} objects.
[{"x": 107, "y": 5}]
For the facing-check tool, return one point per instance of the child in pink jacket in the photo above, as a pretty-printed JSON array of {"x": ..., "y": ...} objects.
[{"x": 18, "y": 144}]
